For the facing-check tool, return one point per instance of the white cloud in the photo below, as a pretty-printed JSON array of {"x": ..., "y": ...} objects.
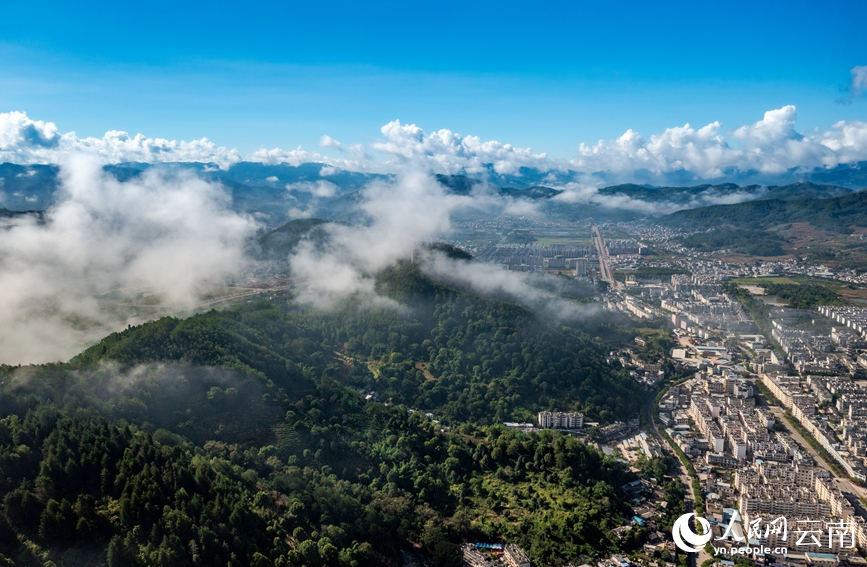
[
  {"x": 18, "y": 131},
  {"x": 329, "y": 142},
  {"x": 358, "y": 159},
  {"x": 771, "y": 145},
  {"x": 848, "y": 140},
  {"x": 402, "y": 214},
  {"x": 26, "y": 141},
  {"x": 859, "y": 80},
  {"x": 291, "y": 157},
  {"x": 776, "y": 126},
  {"x": 447, "y": 152},
  {"x": 320, "y": 188},
  {"x": 356, "y": 152},
  {"x": 169, "y": 235},
  {"x": 574, "y": 193},
  {"x": 489, "y": 280}
]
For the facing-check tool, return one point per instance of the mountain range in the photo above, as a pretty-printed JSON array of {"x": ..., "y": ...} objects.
[
  {"x": 835, "y": 214},
  {"x": 277, "y": 193}
]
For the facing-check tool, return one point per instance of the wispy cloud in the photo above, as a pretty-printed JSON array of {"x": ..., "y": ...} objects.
[
  {"x": 168, "y": 235},
  {"x": 859, "y": 79},
  {"x": 857, "y": 87},
  {"x": 401, "y": 214}
]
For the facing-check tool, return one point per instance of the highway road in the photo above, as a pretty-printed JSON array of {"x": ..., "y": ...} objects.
[{"x": 605, "y": 272}]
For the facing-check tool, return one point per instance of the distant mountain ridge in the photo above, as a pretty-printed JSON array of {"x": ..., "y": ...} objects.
[
  {"x": 463, "y": 185},
  {"x": 7, "y": 214},
  {"x": 798, "y": 190},
  {"x": 835, "y": 214},
  {"x": 278, "y": 244},
  {"x": 277, "y": 192}
]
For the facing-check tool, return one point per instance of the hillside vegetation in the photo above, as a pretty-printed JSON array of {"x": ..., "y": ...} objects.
[
  {"x": 836, "y": 214},
  {"x": 278, "y": 244},
  {"x": 742, "y": 241},
  {"x": 250, "y": 437}
]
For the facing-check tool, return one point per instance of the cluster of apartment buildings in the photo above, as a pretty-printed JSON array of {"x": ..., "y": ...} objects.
[
  {"x": 840, "y": 428},
  {"x": 807, "y": 500},
  {"x": 622, "y": 302},
  {"x": 714, "y": 420},
  {"x": 537, "y": 258},
  {"x": 854, "y": 318},
  {"x": 730, "y": 428},
  {"x": 622, "y": 247},
  {"x": 666, "y": 238},
  {"x": 699, "y": 300},
  {"x": 805, "y": 348},
  {"x": 746, "y": 462}
]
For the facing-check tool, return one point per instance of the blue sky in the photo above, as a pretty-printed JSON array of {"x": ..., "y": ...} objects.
[{"x": 546, "y": 75}]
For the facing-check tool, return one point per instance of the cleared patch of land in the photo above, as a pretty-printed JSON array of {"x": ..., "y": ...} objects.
[
  {"x": 758, "y": 281},
  {"x": 545, "y": 241}
]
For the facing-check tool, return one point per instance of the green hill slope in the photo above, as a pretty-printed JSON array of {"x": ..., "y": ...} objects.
[
  {"x": 837, "y": 214},
  {"x": 249, "y": 437},
  {"x": 687, "y": 195},
  {"x": 279, "y": 243}
]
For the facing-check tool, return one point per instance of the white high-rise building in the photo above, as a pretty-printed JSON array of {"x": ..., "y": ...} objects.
[{"x": 561, "y": 420}]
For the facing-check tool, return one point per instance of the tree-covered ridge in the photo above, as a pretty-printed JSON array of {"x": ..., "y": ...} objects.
[
  {"x": 278, "y": 244},
  {"x": 799, "y": 190},
  {"x": 244, "y": 437},
  {"x": 742, "y": 241},
  {"x": 836, "y": 214},
  {"x": 339, "y": 484},
  {"x": 465, "y": 357}
]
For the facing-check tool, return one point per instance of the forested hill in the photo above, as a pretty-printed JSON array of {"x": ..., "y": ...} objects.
[
  {"x": 687, "y": 195},
  {"x": 273, "y": 435},
  {"x": 278, "y": 244},
  {"x": 7, "y": 214},
  {"x": 464, "y": 356},
  {"x": 837, "y": 214}
]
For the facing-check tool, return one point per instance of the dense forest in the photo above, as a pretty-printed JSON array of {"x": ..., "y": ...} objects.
[
  {"x": 837, "y": 214},
  {"x": 804, "y": 296},
  {"x": 697, "y": 194},
  {"x": 743, "y": 241},
  {"x": 273, "y": 434}
]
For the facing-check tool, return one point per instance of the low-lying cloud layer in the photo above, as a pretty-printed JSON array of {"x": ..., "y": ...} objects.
[
  {"x": 487, "y": 279},
  {"x": 172, "y": 235},
  {"x": 166, "y": 236},
  {"x": 771, "y": 145},
  {"x": 402, "y": 215}
]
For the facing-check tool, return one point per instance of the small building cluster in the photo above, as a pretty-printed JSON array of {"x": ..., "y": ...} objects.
[{"x": 561, "y": 420}]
